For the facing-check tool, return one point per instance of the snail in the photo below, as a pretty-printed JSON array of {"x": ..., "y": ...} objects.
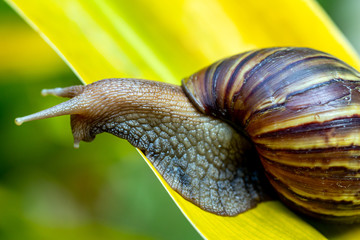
[{"x": 292, "y": 114}]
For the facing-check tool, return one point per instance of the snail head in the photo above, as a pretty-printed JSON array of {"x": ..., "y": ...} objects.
[{"x": 94, "y": 105}]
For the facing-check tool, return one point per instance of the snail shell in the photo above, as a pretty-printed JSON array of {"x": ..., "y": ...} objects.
[
  {"x": 301, "y": 109},
  {"x": 298, "y": 107}
]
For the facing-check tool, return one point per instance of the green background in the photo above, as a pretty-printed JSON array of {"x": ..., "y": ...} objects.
[{"x": 104, "y": 189}]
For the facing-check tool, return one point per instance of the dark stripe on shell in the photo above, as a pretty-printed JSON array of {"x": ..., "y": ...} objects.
[
  {"x": 237, "y": 69},
  {"x": 332, "y": 204},
  {"x": 322, "y": 206},
  {"x": 286, "y": 68},
  {"x": 252, "y": 103},
  {"x": 312, "y": 150},
  {"x": 309, "y": 128},
  {"x": 336, "y": 172}
]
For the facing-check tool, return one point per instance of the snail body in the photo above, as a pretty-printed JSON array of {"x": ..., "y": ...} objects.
[{"x": 298, "y": 107}]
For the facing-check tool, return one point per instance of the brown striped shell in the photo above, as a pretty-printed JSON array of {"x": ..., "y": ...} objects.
[{"x": 301, "y": 109}]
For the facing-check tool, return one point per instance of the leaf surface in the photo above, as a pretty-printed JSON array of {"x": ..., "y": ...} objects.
[{"x": 169, "y": 40}]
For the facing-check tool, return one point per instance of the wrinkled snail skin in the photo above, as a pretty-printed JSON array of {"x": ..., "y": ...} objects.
[
  {"x": 199, "y": 156},
  {"x": 298, "y": 107}
]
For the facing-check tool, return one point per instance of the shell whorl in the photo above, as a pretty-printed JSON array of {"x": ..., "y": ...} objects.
[{"x": 301, "y": 109}]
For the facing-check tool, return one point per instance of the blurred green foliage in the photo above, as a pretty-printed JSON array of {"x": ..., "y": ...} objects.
[
  {"x": 345, "y": 14},
  {"x": 48, "y": 190}
]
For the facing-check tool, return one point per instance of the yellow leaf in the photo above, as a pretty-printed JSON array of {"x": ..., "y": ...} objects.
[{"x": 168, "y": 40}]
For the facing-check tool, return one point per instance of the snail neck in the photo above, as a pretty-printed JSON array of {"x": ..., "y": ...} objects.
[
  {"x": 115, "y": 105},
  {"x": 201, "y": 157},
  {"x": 194, "y": 152}
]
